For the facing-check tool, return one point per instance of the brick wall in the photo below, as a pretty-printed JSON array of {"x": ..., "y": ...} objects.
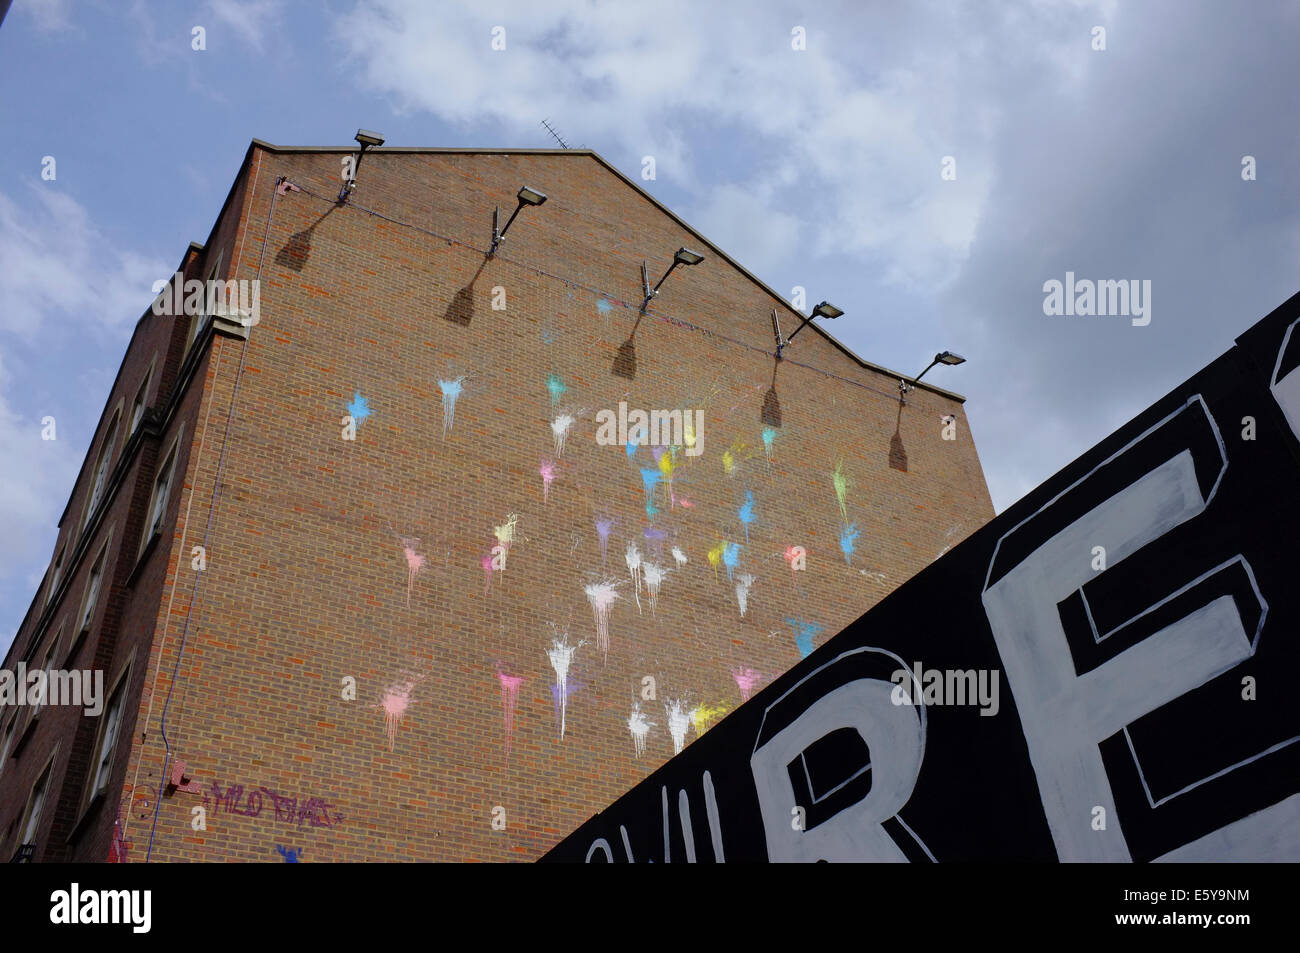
[{"x": 307, "y": 583}]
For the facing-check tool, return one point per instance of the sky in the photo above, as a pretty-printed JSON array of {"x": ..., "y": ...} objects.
[{"x": 926, "y": 166}]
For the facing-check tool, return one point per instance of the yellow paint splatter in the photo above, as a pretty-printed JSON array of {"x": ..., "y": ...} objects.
[
  {"x": 732, "y": 456},
  {"x": 715, "y": 557},
  {"x": 842, "y": 484},
  {"x": 505, "y": 533},
  {"x": 702, "y": 715}
]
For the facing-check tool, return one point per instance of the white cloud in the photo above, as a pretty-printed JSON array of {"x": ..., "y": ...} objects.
[
  {"x": 852, "y": 129},
  {"x": 50, "y": 15},
  {"x": 35, "y": 475},
  {"x": 59, "y": 267},
  {"x": 251, "y": 19}
]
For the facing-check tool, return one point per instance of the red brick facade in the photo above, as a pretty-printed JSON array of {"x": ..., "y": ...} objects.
[{"x": 310, "y": 538}]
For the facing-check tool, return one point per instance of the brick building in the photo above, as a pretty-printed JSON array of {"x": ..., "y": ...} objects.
[{"x": 361, "y": 579}]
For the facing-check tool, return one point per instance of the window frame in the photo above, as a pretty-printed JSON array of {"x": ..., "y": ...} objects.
[
  {"x": 43, "y": 780},
  {"x": 85, "y": 615},
  {"x": 104, "y": 464},
  {"x": 198, "y": 321},
  {"x": 60, "y": 553},
  {"x": 154, "y": 518},
  {"x": 141, "y": 402},
  {"x": 117, "y": 695}
]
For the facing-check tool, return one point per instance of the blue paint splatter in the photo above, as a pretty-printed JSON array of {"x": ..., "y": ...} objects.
[
  {"x": 450, "y": 391},
  {"x": 603, "y": 306},
  {"x": 649, "y": 480},
  {"x": 630, "y": 449},
  {"x": 290, "y": 855},
  {"x": 556, "y": 386},
  {"x": 730, "y": 556},
  {"x": 571, "y": 688},
  {"x": 769, "y": 435},
  {"x": 359, "y": 409},
  {"x": 847, "y": 535},
  {"x": 804, "y": 633},
  {"x": 747, "y": 515}
]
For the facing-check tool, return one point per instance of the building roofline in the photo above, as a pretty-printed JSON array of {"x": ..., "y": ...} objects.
[{"x": 443, "y": 150}]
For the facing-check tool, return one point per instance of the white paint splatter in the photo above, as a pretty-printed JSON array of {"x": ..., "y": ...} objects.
[
  {"x": 601, "y": 595},
  {"x": 633, "y": 559},
  {"x": 679, "y": 556},
  {"x": 561, "y": 655},
  {"x": 742, "y": 592},
  {"x": 654, "y": 575},
  {"x": 560, "y": 427},
  {"x": 639, "y": 727},
  {"x": 679, "y": 721}
]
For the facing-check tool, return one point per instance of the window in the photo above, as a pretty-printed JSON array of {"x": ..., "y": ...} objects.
[
  {"x": 54, "y": 576},
  {"x": 102, "y": 765},
  {"x": 141, "y": 401},
  {"x": 92, "y": 592},
  {"x": 35, "y": 803},
  {"x": 201, "y": 318},
  {"x": 6, "y": 742},
  {"x": 161, "y": 494},
  {"x": 45, "y": 666},
  {"x": 100, "y": 479}
]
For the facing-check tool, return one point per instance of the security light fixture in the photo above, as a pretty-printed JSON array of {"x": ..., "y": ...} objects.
[
  {"x": 823, "y": 310},
  {"x": 683, "y": 256},
  {"x": 943, "y": 357},
  {"x": 367, "y": 140},
  {"x": 526, "y": 196}
]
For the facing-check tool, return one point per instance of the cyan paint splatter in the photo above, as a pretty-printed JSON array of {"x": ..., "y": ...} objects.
[
  {"x": 359, "y": 409},
  {"x": 747, "y": 515},
  {"x": 450, "y": 391},
  {"x": 649, "y": 480},
  {"x": 630, "y": 449},
  {"x": 804, "y": 633},
  {"x": 730, "y": 557},
  {"x": 769, "y": 435},
  {"x": 555, "y": 385},
  {"x": 603, "y": 306},
  {"x": 847, "y": 535}
]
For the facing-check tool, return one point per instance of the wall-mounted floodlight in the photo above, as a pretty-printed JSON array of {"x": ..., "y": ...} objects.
[
  {"x": 367, "y": 140},
  {"x": 823, "y": 310},
  {"x": 683, "y": 256},
  {"x": 943, "y": 357},
  {"x": 526, "y": 196}
]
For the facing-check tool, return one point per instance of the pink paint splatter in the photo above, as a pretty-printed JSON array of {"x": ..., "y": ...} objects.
[
  {"x": 746, "y": 679},
  {"x": 487, "y": 573},
  {"x": 414, "y": 562},
  {"x": 394, "y": 704},
  {"x": 509, "y": 696},
  {"x": 547, "y": 470}
]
